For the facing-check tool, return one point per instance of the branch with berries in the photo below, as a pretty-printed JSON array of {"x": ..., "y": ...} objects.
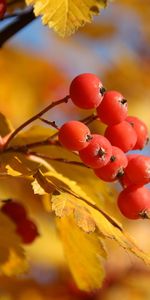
[{"x": 105, "y": 155}]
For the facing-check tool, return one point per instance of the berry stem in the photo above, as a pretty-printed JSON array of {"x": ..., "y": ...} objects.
[
  {"x": 87, "y": 120},
  {"x": 35, "y": 117}
]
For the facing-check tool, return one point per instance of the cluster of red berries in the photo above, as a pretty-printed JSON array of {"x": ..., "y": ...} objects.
[
  {"x": 25, "y": 227},
  {"x": 3, "y": 8},
  {"x": 106, "y": 154}
]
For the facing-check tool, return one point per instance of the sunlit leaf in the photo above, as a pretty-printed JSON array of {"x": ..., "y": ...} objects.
[
  {"x": 83, "y": 253},
  {"x": 87, "y": 215},
  {"x": 66, "y": 16},
  {"x": 32, "y": 135}
]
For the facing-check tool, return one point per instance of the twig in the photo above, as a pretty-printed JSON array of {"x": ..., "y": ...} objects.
[
  {"x": 87, "y": 120},
  {"x": 35, "y": 117},
  {"x": 51, "y": 123},
  {"x": 19, "y": 23}
]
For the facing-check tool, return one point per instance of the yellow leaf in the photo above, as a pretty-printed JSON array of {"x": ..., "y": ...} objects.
[
  {"x": 66, "y": 16},
  {"x": 41, "y": 185},
  {"x": 83, "y": 219},
  {"x": 64, "y": 197},
  {"x": 52, "y": 179},
  {"x": 84, "y": 253},
  {"x": 32, "y": 135},
  {"x": 65, "y": 204},
  {"x": 111, "y": 229},
  {"x": 12, "y": 257},
  {"x": 62, "y": 204}
]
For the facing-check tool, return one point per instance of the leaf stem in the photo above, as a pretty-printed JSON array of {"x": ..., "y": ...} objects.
[{"x": 35, "y": 117}]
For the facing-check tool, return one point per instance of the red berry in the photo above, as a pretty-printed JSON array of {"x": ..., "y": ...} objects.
[
  {"x": 131, "y": 156},
  {"x": 141, "y": 131},
  {"x": 134, "y": 202},
  {"x": 115, "y": 167},
  {"x": 121, "y": 135},
  {"x": 124, "y": 180},
  {"x": 27, "y": 230},
  {"x": 74, "y": 135},
  {"x": 3, "y": 7},
  {"x": 97, "y": 153},
  {"x": 86, "y": 91},
  {"x": 138, "y": 170},
  {"x": 113, "y": 109},
  {"x": 14, "y": 211}
]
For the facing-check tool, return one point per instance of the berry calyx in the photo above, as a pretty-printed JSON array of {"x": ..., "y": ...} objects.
[
  {"x": 113, "y": 109},
  {"x": 27, "y": 230},
  {"x": 86, "y": 91},
  {"x": 74, "y": 135},
  {"x": 114, "y": 168},
  {"x": 14, "y": 210},
  {"x": 138, "y": 170},
  {"x": 121, "y": 135},
  {"x": 97, "y": 153},
  {"x": 141, "y": 131},
  {"x": 134, "y": 202}
]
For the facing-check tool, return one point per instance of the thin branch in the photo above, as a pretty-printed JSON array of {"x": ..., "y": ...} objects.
[
  {"x": 19, "y": 23},
  {"x": 35, "y": 117},
  {"x": 51, "y": 123},
  {"x": 91, "y": 119},
  {"x": 87, "y": 120}
]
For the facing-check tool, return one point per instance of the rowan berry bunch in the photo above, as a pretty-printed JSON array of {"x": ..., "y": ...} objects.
[
  {"x": 25, "y": 227},
  {"x": 106, "y": 155}
]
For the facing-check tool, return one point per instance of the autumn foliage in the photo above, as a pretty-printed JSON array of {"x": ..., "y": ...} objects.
[{"x": 61, "y": 231}]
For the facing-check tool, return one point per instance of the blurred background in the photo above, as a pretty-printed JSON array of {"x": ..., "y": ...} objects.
[{"x": 36, "y": 68}]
